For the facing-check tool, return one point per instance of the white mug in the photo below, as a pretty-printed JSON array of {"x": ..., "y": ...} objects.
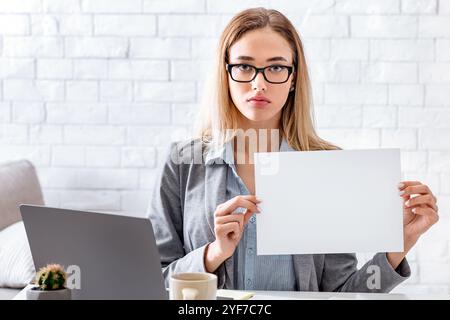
[{"x": 193, "y": 286}]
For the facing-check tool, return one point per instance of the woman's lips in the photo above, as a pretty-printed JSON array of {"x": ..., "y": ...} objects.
[{"x": 258, "y": 103}]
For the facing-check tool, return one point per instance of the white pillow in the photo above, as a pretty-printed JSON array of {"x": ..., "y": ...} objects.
[{"x": 16, "y": 263}]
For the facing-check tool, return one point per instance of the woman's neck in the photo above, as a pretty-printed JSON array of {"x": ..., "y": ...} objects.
[
  {"x": 273, "y": 123},
  {"x": 256, "y": 137}
]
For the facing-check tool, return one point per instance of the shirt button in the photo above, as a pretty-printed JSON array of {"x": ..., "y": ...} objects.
[
  {"x": 250, "y": 250},
  {"x": 252, "y": 219},
  {"x": 249, "y": 282}
]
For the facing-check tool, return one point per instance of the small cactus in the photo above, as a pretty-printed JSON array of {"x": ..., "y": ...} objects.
[{"x": 51, "y": 277}]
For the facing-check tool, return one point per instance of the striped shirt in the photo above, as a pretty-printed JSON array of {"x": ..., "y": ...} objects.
[{"x": 253, "y": 272}]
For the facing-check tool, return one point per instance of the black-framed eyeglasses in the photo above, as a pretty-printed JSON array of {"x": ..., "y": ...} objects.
[{"x": 242, "y": 72}]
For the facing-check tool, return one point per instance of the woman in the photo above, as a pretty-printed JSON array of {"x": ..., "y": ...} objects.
[{"x": 261, "y": 84}]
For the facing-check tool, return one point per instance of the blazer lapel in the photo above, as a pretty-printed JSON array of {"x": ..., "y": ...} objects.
[
  {"x": 215, "y": 190},
  {"x": 215, "y": 194}
]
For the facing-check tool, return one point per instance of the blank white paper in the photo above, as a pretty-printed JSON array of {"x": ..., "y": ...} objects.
[{"x": 336, "y": 201}]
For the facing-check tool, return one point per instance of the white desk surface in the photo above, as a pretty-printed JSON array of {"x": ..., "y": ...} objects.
[{"x": 302, "y": 295}]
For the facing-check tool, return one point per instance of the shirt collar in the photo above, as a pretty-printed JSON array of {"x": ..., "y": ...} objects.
[
  {"x": 220, "y": 155},
  {"x": 225, "y": 154}
]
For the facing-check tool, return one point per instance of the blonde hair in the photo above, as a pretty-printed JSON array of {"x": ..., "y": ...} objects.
[{"x": 218, "y": 117}]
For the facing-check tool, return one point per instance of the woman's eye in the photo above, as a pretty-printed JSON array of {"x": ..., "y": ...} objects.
[
  {"x": 276, "y": 68},
  {"x": 244, "y": 67}
]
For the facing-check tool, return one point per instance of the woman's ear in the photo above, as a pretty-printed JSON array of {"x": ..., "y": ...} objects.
[{"x": 293, "y": 81}]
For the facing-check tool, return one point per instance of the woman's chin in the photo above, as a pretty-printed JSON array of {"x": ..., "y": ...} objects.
[{"x": 258, "y": 116}]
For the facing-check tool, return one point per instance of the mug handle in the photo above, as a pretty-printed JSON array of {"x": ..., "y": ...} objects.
[{"x": 189, "y": 293}]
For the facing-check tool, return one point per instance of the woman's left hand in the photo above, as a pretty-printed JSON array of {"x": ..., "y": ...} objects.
[{"x": 420, "y": 212}]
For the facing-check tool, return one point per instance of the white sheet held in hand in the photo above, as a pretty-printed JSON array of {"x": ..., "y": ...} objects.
[{"x": 329, "y": 202}]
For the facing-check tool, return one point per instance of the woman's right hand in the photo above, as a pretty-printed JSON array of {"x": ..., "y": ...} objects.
[{"x": 228, "y": 229}]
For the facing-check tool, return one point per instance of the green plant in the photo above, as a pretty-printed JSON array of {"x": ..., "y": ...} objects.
[{"x": 51, "y": 277}]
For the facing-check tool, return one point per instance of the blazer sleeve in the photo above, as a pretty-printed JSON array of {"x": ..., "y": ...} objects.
[
  {"x": 166, "y": 215},
  {"x": 377, "y": 275}
]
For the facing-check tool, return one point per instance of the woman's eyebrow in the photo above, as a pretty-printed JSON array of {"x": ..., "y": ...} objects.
[{"x": 248, "y": 58}]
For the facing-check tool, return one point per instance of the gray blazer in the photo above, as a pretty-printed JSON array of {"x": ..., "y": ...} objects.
[{"x": 181, "y": 210}]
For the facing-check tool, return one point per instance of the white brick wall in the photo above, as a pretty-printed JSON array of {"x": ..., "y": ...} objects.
[{"x": 92, "y": 91}]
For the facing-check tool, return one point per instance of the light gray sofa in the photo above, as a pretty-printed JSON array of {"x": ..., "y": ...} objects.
[{"x": 19, "y": 184}]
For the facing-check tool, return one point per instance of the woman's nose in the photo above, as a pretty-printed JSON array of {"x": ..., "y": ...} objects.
[{"x": 259, "y": 82}]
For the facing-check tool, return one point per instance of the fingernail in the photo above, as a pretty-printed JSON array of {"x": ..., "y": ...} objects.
[
  {"x": 407, "y": 203},
  {"x": 259, "y": 209},
  {"x": 258, "y": 199},
  {"x": 401, "y": 185},
  {"x": 413, "y": 210},
  {"x": 401, "y": 192}
]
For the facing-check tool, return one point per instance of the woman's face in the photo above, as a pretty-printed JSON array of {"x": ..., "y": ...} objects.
[{"x": 260, "y": 48}]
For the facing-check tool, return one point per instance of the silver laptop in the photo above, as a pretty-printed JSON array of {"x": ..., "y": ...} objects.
[{"x": 115, "y": 256}]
